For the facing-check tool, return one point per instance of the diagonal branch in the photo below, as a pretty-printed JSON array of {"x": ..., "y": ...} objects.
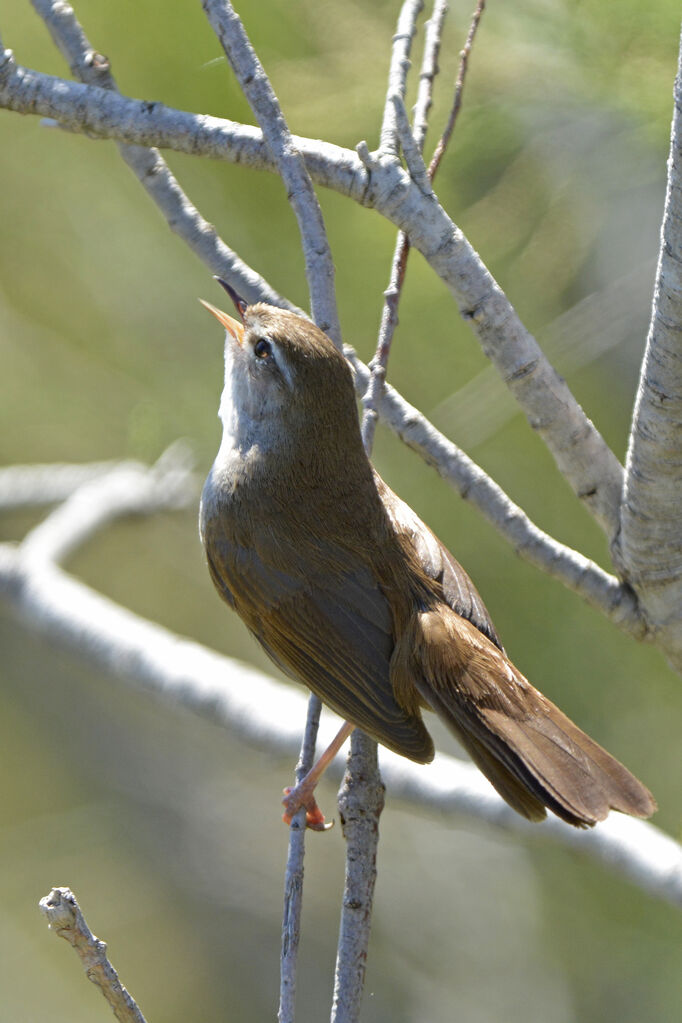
[
  {"x": 580, "y": 452},
  {"x": 601, "y": 590},
  {"x": 65, "y": 918},
  {"x": 462, "y": 69},
  {"x": 149, "y": 166},
  {"x": 265, "y": 105}
]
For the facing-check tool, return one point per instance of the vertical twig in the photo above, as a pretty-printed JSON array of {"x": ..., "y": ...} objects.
[
  {"x": 262, "y": 99},
  {"x": 293, "y": 881},
  {"x": 320, "y": 276},
  {"x": 389, "y": 314},
  {"x": 464, "y": 55},
  {"x": 397, "y": 72},
  {"x": 361, "y": 800},
  {"x": 361, "y": 796}
]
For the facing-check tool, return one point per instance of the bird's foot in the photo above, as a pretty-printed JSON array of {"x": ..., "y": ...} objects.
[{"x": 304, "y": 795}]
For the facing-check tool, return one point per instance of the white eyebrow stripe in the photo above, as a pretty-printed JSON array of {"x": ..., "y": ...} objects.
[{"x": 282, "y": 364}]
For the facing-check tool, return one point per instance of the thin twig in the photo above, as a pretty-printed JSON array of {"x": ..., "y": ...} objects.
[
  {"x": 433, "y": 34},
  {"x": 361, "y": 800},
  {"x": 67, "y": 921},
  {"x": 397, "y": 73},
  {"x": 149, "y": 166},
  {"x": 459, "y": 89},
  {"x": 411, "y": 152},
  {"x": 293, "y": 880},
  {"x": 262, "y": 99},
  {"x": 389, "y": 313}
]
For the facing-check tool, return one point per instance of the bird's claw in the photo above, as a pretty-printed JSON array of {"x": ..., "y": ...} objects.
[{"x": 294, "y": 799}]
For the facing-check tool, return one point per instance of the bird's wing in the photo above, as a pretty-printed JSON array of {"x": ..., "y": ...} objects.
[
  {"x": 438, "y": 563},
  {"x": 332, "y": 631}
]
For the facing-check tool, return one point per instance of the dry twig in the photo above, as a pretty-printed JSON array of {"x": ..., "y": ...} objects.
[{"x": 67, "y": 921}]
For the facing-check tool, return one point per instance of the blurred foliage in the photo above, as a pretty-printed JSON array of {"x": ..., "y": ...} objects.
[{"x": 169, "y": 832}]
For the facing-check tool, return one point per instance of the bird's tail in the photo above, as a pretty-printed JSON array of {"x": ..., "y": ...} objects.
[{"x": 533, "y": 754}]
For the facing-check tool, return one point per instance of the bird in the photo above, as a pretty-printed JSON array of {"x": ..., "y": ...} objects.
[{"x": 349, "y": 592}]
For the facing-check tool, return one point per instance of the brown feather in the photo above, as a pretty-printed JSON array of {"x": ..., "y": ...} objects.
[{"x": 515, "y": 734}]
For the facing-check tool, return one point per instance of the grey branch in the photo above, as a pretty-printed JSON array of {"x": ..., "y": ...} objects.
[
  {"x": 67, "y": 921},
  {"x": 397, "y": 73},
  {"x": 433, "y": 33},
  {"x": 148, "y": 165},
  {"x": 361, "y": 801},
  {"x": 578, "y": 573},
  {"x": 267, "y": 715},
  {"x": 265, "y": 105},
  {"x": 128, "y": 489},
  {"x": 25, "y": 486},
  {"x": 650, "y": 548},
  {"x": 464, "y": 55},
  {"x": 580, "y": 452},
  {"x": 389, "y": 311},
  {"x": 293, "y": 878}
]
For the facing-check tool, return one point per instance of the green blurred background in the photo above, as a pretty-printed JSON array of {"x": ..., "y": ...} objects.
[{"x": 166, "y": 828}]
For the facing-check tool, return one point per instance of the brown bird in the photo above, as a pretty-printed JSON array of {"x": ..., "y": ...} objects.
[{"x": 349, "y": 592}]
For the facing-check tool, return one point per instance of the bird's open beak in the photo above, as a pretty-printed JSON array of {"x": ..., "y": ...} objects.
[{"x": 231, "y": 325}]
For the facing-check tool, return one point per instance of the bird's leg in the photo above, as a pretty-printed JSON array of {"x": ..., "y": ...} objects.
[{"x": 303, "y": 794}]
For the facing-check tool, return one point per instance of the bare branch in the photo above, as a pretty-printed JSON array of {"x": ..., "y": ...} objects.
[
  {"x": 651, "y": 541},
  {"x": 464, "y": 55},
  {"x": 25, "y": 486},
  {"x": 267, "y": 715},
  {"x": 389, "y": 312},
  {"x": 293, "y": 878},
  {"x": 579, "y": 450},
  {"x": 578, "y": 573},
  {"x": 151, "y": 169},
  {"x": 397, "y": 73},
  {"x": 265, "y": 105},
  {"x": 361, "y": 801},
  {"x": 67, "y": 921},
  {"x": 433, "y": 32},
  {"x": 128, "y": 489}
]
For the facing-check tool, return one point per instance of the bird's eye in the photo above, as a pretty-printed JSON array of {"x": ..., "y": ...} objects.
[{"x": 262, "y": 348}]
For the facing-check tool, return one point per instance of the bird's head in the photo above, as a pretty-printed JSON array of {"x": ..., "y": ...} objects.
[{"x": 285, "y": 382}]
